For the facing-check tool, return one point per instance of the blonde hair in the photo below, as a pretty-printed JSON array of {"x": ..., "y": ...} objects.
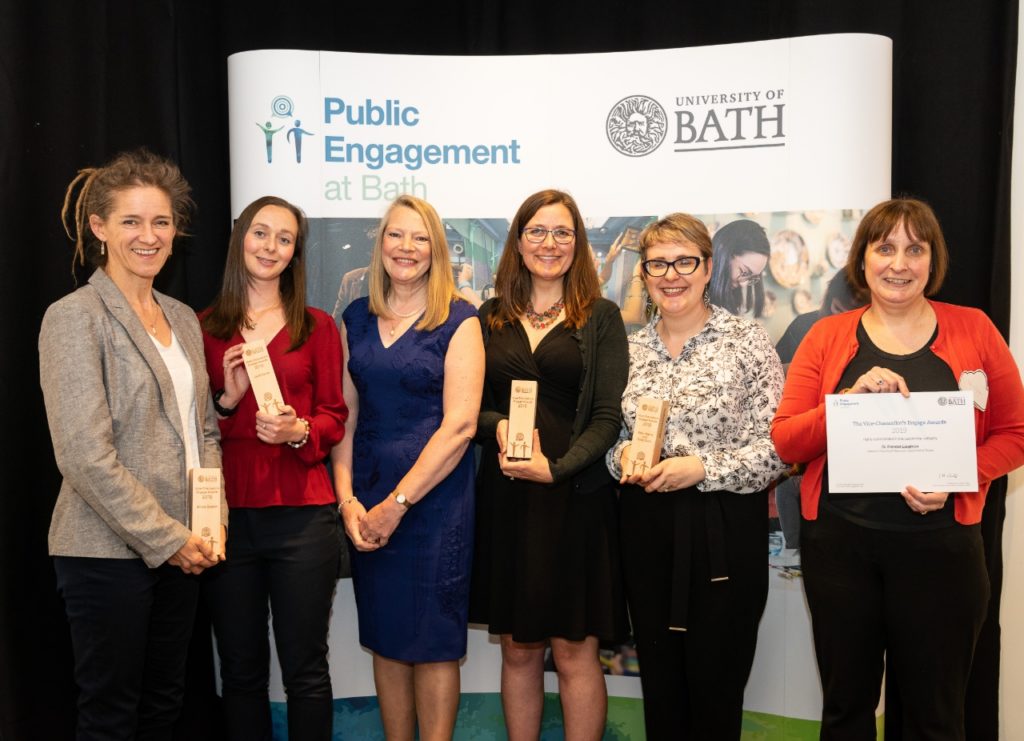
[{"x": 440, "y": 280}]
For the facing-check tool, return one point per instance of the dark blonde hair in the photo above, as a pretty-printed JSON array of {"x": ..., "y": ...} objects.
[
  {"x": 440, "y": 280},
  {"x": 675, "y": 228},
  {"x": 139, "y": 168},
  {"x": 512, "y": 284},
  {"x": 230, "y": 309},
  {"x": 882, "y": 220}
]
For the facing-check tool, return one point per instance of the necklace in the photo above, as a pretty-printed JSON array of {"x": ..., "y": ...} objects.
[
  {"x": 251, "y": 320},
  {"x": 544, "y": 319},
  {"x": 400, "y": 315},
  {"x": 152, "y": 321}
]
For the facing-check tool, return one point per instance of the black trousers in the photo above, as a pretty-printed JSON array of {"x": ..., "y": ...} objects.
[
  {"x": 130, "y": 629},
  {"x": 919, "y": 597},
  {"x": 289, "y": 556},
  {"x": 673, "y": 545}
]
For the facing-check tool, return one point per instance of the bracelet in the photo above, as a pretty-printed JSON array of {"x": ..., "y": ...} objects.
[
  {"x": 305, "y": 437},
  {"x": 463, "y": 286},
  {"x": 346, "y": 501},
  {"x": 223, "y": 411}
]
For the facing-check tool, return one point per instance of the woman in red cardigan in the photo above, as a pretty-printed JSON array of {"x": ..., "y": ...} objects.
[{"x": 898, "y": 573}]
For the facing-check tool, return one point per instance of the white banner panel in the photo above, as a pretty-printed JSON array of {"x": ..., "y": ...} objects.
[{"x": 792, "y": 134}]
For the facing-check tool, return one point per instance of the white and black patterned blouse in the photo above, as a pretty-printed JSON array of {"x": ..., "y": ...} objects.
[{"x": 723, "y": 389}]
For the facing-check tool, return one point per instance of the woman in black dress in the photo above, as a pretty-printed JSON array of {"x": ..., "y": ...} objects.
[{"x": 547, "y": 562}]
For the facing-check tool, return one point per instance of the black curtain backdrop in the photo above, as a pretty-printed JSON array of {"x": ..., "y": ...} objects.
[{"x": 83, "y": 79}]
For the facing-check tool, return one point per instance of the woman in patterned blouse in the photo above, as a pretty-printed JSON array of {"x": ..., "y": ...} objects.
[{"x": 694, "y": 524}]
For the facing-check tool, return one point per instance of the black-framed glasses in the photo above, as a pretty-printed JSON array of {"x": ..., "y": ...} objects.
[
  {"x": 537, "y": 234},
  {"x": 682, "y": 265}
]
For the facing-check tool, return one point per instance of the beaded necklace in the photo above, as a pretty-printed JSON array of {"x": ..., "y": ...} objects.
[{"x": 544, "y": 319}]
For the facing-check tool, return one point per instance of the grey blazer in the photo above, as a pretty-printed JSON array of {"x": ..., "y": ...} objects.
[{"x": 115, "y": 426}]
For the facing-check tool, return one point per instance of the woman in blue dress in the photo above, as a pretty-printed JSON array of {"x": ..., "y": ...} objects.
[{"x": 404, "y": 471}]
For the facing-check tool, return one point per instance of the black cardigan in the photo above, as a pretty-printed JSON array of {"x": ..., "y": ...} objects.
[{"x": 605, "y": 353}]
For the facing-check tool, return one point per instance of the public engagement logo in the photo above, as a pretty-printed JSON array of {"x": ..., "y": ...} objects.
[{"x": 282, "y": 107}]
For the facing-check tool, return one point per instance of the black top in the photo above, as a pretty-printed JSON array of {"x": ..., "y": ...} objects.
[{"x": 923, "y": 370}]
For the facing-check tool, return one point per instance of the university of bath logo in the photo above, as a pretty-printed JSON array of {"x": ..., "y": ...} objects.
[
  {"x": 282, "y": 107},
  {"x": 636, "y": 125}
]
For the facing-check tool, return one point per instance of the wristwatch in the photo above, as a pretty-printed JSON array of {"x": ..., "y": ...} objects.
[{"x": 401, "y": 499}]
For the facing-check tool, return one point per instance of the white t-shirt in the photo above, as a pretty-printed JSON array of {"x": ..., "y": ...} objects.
[{"x": 184, "y": 391}]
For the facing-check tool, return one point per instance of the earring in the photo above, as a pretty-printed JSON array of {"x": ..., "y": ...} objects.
[
  {"x": 707, "y": 297},
  {"x": 103, "y": 249},
  {"x": 861, "y": 264}
]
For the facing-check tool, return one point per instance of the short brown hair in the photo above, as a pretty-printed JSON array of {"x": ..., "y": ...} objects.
[
  {"x": 676, "y": 228},
  {"x": 881, "y": 221},
  {"x": 513, "y": 282},
  {"x": 139, "y": 168}
]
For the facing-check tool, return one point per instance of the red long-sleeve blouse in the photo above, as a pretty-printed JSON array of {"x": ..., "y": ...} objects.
[{"x": 257, "y": 474}]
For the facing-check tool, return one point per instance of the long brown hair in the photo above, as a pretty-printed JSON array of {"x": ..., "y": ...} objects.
[
  {"x": 513, "y": 282},
  {"x": 440, "y": 280},
  {"x": 139, "y": 168},
  {"x": 229, "y": 311}
]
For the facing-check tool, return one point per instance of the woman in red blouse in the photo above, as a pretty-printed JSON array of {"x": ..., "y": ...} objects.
[{"x": 285, "y": 536}]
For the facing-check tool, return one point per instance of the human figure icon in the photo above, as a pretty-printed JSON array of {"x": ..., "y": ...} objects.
[
  {"x": 298, "y": 131},
  {"x": 268, "y": 135},
  {"x": 640, "y": 462},
  {"x": 519, "y": 445}
]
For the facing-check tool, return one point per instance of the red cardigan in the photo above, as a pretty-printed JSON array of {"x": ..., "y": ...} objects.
[
  {"x": 260, "y": 475},
  {"x": 980, "y": 360}
]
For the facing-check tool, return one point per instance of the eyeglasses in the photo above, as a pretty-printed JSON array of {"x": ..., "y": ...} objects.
[
  {"x": 749, "y": 279},
  {"x": 682, "y": 265},
  {"x": 537, "y": 234}
]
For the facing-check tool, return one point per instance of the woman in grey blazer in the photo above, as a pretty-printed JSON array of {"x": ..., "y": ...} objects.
[{"x": 127, "y": 399}]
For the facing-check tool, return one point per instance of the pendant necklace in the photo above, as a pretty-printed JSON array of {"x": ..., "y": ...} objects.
[
  {"x": 153, "y": 319},
  {"x": 251, "y": 320},
  {"x": 544, "y": 319},
  {"x": 402, "y": 317}
]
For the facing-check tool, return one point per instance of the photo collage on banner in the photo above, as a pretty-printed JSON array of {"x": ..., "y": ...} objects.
[{"x": 753, "y": 139}]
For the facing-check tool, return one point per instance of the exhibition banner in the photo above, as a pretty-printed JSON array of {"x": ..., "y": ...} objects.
[{"x": 790, "y": 138}]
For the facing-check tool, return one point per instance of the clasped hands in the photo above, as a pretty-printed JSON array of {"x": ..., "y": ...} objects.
[
  {"x": 678, "y": 472},
  {"x": 370, "y": 530},
  {"x": 197, "y": 555}
]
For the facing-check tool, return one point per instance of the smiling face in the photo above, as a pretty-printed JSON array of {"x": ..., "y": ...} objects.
[
  {"x": 269, "y": 243},
  {"x": 405, "y": 246},
  {"x": 138, "y": 233},
  {"x": 548, "y": 261},
  {"x": 896, "y": 268},
  {"x": 675, "y": 294}
]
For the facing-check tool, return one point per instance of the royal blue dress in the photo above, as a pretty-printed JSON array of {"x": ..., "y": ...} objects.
[{"x": 412, "y": 595}]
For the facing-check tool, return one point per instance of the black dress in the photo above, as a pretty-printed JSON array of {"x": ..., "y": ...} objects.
[{"x": 547, "y": 558}]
